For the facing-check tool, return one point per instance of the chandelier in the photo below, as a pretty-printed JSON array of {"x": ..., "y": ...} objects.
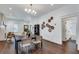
[{"x": 30, "y": 10}]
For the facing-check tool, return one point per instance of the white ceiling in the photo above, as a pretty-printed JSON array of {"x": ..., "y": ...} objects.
[
  {"x": 18, "y": 12},
  {"x": 18, "y": 9}
]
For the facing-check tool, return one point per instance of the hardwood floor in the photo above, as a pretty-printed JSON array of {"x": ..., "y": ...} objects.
[
  {"x": 7, "y": 48},
  {"x": 50, "y": 48},
  {"x": 1, "y": 46},
  {"x": 68, "y": 47}
]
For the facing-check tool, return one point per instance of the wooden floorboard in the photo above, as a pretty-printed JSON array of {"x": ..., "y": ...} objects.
[{"x": 68, "y": 47}]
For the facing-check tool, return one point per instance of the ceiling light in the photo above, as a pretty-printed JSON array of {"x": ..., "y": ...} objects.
[
  {"x": 32, "y": 11},
  {"x": 29, "y": 10},
  {"x": 25, "y": 9},
  {"x": 10, "y": 8},
  {"x": 51, "y": 4},
  {"x": 35, "y": 13}
]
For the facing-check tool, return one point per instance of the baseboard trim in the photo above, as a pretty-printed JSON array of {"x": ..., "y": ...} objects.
[
  {"x": 3, "y": 41},
  {"x": 53, "y": 43}
]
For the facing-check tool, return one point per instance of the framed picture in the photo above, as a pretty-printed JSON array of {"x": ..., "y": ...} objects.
[{"x": 26, "y": 28}]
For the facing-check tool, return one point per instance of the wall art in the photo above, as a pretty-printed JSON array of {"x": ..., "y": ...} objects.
[
  {"x": 50, "y": 27},
  {"x": 51, "y": 18}
]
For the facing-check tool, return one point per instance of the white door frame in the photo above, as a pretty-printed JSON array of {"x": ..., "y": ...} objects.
[{"x": 63, "y": 26}]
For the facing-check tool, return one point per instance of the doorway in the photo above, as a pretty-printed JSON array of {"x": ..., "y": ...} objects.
[
  {"x": 69, "y": 28},
  {"x": 69, "y": 34}
]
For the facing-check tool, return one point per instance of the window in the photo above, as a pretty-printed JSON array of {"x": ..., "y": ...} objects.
[{"x": 15, "y": 28}]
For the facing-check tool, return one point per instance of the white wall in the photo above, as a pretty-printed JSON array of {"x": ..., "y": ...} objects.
[
  {"x": 12, "y": 22},
  {"x": 77, "y": 31},
  {"x": 2, "y": 29},
  {"x": 56, "y": 35},
  {"x": 14, "y": 25}
]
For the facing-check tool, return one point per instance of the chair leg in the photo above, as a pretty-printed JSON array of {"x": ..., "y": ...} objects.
[{"x": 41, "y": 44}]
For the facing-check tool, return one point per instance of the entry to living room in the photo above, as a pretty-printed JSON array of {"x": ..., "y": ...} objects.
[{"x": 69, "y": 31}]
